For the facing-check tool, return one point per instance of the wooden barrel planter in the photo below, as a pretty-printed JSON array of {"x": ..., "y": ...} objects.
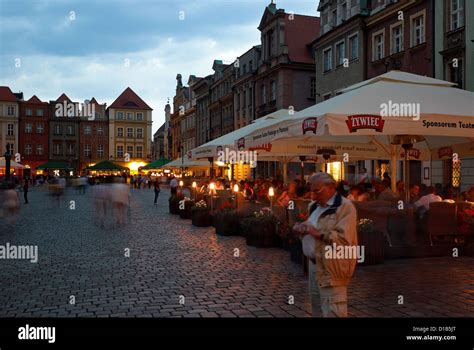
[
  {"x": 174, "y": 204},
  {"x": 374, "y": 247},
  {"x": 260, "y": 232},
  {"x": 201, "y": 217},
  {"x": 185, "y": 211},
  {"x": 226, "y": 223}
]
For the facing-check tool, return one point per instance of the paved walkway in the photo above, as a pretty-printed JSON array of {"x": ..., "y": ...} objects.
[{"x": 170, "y": 259}]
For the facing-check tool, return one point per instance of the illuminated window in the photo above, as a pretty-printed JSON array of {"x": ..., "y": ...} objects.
[{"x": 335, "y": 169}]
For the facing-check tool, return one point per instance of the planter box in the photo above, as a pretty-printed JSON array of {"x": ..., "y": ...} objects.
[
  {"x": 374, "y": 247},
  {"x": 186, "y": 212},
  {"x": 201, "y": 218},
  {"x": 173, "y": 203},
  {"x": 226, "y": 223},
  {"x": 260, "y": 234}
]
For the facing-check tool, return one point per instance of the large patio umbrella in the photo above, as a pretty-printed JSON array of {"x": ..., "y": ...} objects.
[
  {"x": 53, "y": 164},
  {"x": 107, "y": 165},
  {"x": 185, "y": 162},
  {"x": 13, "y": 165},
  {"x": 156, "y": 164},
  {"x": 443, "y": 126}
]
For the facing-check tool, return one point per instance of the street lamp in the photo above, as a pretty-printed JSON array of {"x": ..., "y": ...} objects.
[
  {"x": 271, "y": 193},
  {"x": 194, "y": 189},
  {"x": 8, "y": 158},
  {"x": 212, "y": 187},
  {"x": 236, "y": 191}
]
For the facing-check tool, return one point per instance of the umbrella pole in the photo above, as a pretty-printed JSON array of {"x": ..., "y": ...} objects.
[
  {"x": 393, "y": 168},
  {"x": 407, "y": 177},
  {"x": 285, "y": 172}
]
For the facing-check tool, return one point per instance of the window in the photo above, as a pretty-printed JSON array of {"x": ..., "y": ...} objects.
[
  {"x": 343, "y": 11},
  {"x": 139, "y": 116},
  {"x": 58, "y": 130},
  {"x": 119, "y": 151},
  {"x": 70, "y": 149},
  {"x": 250, "y": 97},
  {"x": 457, "y": 14},
  {"x": 10, "y": 131},
  {"x": 139, "y": 152},
  {"x": 397, "y": 39},
  {"x": 417, "y": 29},
  {"x": 340, "y": 53},
  {"x": 87, "y": 130},
  {"x": 70, "y": 130},
  {"x": 130, "y": 116},
  {"x": 139, "y": 133},
  {"x": 327, "y": 59},
  {"x": 39, "y": 150},
  {"x": 264, "y": 94},
  {"x": 119, "y": 132},
  {"x": 28, "y": 128},
  {"x": 354, "y": 47},
  {"x": 39, "y": 112},
  {"x": 87, "y": 151},
  {"x": 57, "y": 149},
  {"x": 312, "y": 89},
  {"x": 10, "y": 110},
  {"x": 29, "y": 112},
  {"x": 378, "y": 46},
  {"x": 129, "y": 132},
  {"x": 39, "y": 128},
  {"x": 100, "y": 151},
  {"x": 130, "y": 151},
  {"x": 334, "y": 18},
  {"x": 273, "y": 90},
  {"x": 28, "y": 149},
  {"x": 100, "y": 131},
  {"x": 119, "y": 115}
]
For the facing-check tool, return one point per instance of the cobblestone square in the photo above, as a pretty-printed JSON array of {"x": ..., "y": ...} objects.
[{"x": 178, "y": 270}]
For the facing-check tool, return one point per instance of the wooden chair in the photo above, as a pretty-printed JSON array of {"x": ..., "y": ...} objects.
[{"x": 441, "y": 220}]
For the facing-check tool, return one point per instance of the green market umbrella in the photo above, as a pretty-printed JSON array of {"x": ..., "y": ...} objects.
[
  {"x": 53, "y": 164},
  {"x": 107, "y": 165},
  {"x": 156, "y": 164}
]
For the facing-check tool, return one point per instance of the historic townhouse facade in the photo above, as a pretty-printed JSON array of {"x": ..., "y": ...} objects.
[
  {"x": 9, "y": 111},
  {"x": 179, "y": 118},
  {"x": 34, "y": 133},
  {"x": 201, "y": 93},
  {"x": 339, "y": 50},
  {"x": 64, "y": 132},
  {"x": 286, "y": 70},
  {"x": 130, "y": 126},
  {"x": 454, "y": 61},
  {"x": 94, "y": 136},
  {"x": 221, "y": 112},
  {"x": 244, "y": 87}
]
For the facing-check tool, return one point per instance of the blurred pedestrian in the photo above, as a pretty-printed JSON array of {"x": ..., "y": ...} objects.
[
  {"x": 26, "y": 186},
  {"x": 11, "y": 204},
  {"x": 157, "y": 190}
]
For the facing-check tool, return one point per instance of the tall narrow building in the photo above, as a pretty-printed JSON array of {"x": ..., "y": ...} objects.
[
  {"x": 130, "y": 126},
  {"x": 8, "y": 120}
]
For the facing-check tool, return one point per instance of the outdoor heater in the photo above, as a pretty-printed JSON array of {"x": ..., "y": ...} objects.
[
  {"x": 406, "y": 142},
  {"x": 326, "y": 153}
]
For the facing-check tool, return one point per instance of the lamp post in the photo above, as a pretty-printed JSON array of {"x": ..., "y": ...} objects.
[
  {"x": 236, "y": 192},
  {"x": 194, "y": 190},
  {"x": 8, "y": 158},
  {"x": 271, "y": 193},
  {"x": 212, "y": 187}
]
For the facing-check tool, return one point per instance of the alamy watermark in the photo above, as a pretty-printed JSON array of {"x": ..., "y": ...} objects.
[
  {"x": 394, "y": 109},
  {"x": 335, "y": 251},
  {"x": 75, "y": 109},
  {"x": 21, "y": 252},
  {"x": 229, "y": 156}
]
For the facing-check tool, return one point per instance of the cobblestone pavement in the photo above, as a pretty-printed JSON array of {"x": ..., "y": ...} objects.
[{"x": 170, "y": 259}]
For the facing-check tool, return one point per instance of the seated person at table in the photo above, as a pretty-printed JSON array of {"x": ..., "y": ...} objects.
[
  {"x": 384, "y": 193},
  {"x": 248, "y": 191},
  {"x": 423, "y": 204},
  {"x": 469, "y": 195},
  {"x": 219, "y": 185},
  {"x": 414, "y": 193},
  {"x": 288, "y": 195},
  {"x": 358, "y": 194}
]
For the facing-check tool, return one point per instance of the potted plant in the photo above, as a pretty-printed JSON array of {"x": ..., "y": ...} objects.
[
  {"x": 185, "y": 206},
  {"x": 372, "y": 241},
  {"x": 260, "y": 229},
  {"x": 174, "y": 203},
  {"x": 226, "y": 220},
  {"x": 466, "y": 228},
  {"x": 201, "y": 215}
]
